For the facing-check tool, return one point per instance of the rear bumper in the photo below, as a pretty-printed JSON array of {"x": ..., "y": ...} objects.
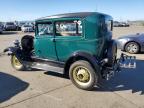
[{"x": 124, "y": 61}]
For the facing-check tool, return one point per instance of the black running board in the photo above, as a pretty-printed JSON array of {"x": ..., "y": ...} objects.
[{"x": 44, "y": 66}]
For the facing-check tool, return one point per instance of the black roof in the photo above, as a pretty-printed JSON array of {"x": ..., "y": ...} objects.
[{"x": 69, "y": 15}]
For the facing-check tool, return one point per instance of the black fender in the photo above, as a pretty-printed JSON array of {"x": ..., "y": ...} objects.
[
  {"x": 112, "y": 52},
  {"x": 11, "y": 50},
  {"x": 14, "y": 51},
  {"x": 82, "y": 56}
]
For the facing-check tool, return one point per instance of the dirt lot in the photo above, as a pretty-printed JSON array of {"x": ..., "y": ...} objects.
[{"x": 39, "y": 89}]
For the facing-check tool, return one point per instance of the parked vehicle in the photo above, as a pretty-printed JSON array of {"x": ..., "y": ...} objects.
[
  {"x": 120, "y": 24},
  {"x": 132, "y": 43},
  {"x": 116, "y": 24},
  {"x": 32, "y": 24},
  {"x": 19, "y": 25},
  {"x": 10, "y": 26},
  {"x": 1, "y": 27},
  {"x": 27, "y": 28},
  {"x": 123, "y": 24},
  {"x": 76, "y": 44}
]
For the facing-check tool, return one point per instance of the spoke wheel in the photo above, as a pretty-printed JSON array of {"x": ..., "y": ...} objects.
[
  {"x": 83, "y": 75},
  {"x": 16, "y": 63},
  {"x": 132, "y": 48}
]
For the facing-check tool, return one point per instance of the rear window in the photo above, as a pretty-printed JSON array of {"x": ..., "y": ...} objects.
[{"x": 69, "y": 28}]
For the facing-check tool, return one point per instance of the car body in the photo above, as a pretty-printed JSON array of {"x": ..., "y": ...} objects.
[
  {"x": 76, "y": 44},
  {"x": 93, "y": 46},
  {"x": 27, "y": 28},
  {"x": 138, "y": 39},
  {"x": 10, "y": 26}
]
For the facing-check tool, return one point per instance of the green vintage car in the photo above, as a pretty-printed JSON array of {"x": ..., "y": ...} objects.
[{"x": 76, "y": 44}]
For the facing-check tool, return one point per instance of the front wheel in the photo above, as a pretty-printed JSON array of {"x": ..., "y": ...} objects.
[
  {"x": 83, "y": 75},
  {"x": 132, "y": 48},
  {"x": 16, "y": 63}
]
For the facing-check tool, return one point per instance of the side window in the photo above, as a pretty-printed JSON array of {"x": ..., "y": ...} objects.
[
  {"x": 106, "y": 26},
  {"x": 69, "y": 28},
  {"x": 45, "y": 29},
  {"x": 109, "y": 25}
]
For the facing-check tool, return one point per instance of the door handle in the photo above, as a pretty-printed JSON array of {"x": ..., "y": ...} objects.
[{"x": 39, "y": 51}]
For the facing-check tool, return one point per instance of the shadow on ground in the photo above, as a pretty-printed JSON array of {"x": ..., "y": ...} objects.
[
  {"x": 56, "y": 74},
  {"x": 128, "y": 79},
  {"x": 10, "y": 86}
]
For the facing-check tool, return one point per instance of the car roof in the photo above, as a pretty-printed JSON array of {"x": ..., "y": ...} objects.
[{"x": 71, "y": 15}]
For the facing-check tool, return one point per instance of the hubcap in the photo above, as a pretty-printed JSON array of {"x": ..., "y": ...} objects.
[
  {"x": 16, "y": 62},
  {"x": 132, "y": 48},
  {"x": 81, "y": 75}
]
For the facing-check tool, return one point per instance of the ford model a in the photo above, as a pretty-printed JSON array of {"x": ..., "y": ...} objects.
[{"x": 77, "y": 44}]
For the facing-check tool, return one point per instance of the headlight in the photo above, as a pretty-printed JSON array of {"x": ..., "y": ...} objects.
[{"x": 122, "y": 40}]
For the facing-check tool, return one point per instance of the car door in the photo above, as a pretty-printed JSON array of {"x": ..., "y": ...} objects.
[
  {"x": 44, "y": 41},
  {"x": 68, "y": 38}
]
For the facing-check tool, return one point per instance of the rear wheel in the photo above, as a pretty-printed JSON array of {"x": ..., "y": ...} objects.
[
  {"x": 83, "y": 75},
  {"x": 16, "y": 63},
  {"x": 132, "y": 47}
]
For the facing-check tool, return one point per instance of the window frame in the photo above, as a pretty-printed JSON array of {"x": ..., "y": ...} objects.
[
  {"x": 107, "y": 22},
  {"x": 45, "y": 35},
  {"x": 69, "y": 20}
]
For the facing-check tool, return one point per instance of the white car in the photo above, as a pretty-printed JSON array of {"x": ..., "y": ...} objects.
[{"x": 27, "y": 28}]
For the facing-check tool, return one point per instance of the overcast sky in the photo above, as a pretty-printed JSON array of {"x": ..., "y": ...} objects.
[{"x": 11, "y": 10}]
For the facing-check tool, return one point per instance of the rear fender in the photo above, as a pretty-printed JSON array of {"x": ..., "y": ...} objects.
[{"x": 83, "y": 56}]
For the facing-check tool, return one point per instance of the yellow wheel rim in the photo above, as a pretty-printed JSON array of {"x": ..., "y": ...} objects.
[
  {"x": 16, "y": 63},
  {"x": 81, "y": 75}
]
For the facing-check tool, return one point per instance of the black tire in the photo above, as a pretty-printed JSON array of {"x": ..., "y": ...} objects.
[
  {"x": 132, "y": 48},
  {"x": 16, "y": 64},
  {"x": 93, "y": 76},
  {"x": 27, "y": 43}
]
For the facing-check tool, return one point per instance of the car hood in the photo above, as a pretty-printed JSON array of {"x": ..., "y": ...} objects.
[{"x": 131, "y": 36}]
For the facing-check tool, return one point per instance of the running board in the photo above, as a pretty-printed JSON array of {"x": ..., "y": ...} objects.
[{"x": 45, "y": 67}]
